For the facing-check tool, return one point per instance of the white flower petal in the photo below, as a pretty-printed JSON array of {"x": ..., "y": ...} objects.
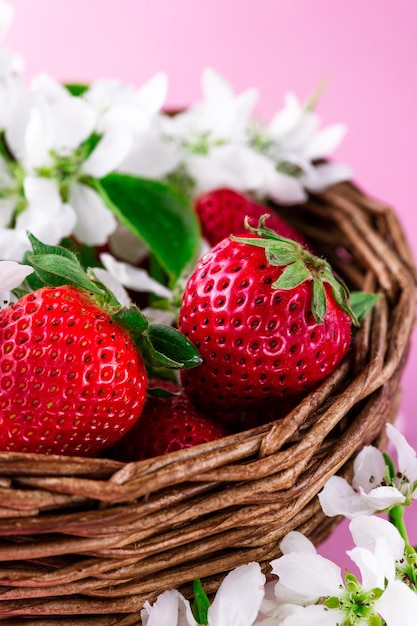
[
  {"x": 95, "y": 222},
  {"x": 231, "y": 165},
  {"x": 13, "y": 244},
  {"x": 366, "y": 531},
  {"x": 368, "y": 468},
  {"x": 48, "y": 228},
  {"x": 325, "y": 141},
  {"x": 338, "y": 498},
  {"x": 134, "y": 277},
  {"x": 48, "y": 87},
  {"x": 295, "y": 541},
  {"x": 169, "y": 609},
  {"x": 314, "y": 615},
  {"x": 285, "y": 120},
  {"x": 221, "y": 114},
  {"x": 324, "y": 175},
  {"x": 12, "y": 274},
  {"x": 109, "y": 153},
  {"x": 152, "y": 95},
  {"x": 284, "y": 189},
  {"x": 321, "y": 577},
  {"x": 382, "y": 498},
  {"x": 47, "y": 217},
  {"x": 114, "y": 285},
  {"x": 238, "y": 598},
  {"x": 215, "y": 88},
  {"x": 407, "y": 458},
  {"x": 151, "y": 156},
  {"x": 372, "y": 576},
  {"x": 159, "y": 316},
  {"x": 72, "y": 121},
  {"x": 38, "y": 139},
  {"x": 124, "y": 118},
  {"x": 398, "y": 605},
  {"x": 17, "y": 124},
  {"x": 42, "y": 192},
  {"x": 7, "y": 209},
  {"x": 126, "y": 246},
  {"x": 105, "y": 93}
]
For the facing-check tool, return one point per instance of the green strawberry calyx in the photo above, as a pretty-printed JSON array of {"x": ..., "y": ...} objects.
[
  {"x": 161, "y": 346},
  {"x": 301, "y": 265}
]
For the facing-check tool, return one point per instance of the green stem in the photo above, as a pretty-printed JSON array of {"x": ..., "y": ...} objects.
[{"x": 396, "y": 517}]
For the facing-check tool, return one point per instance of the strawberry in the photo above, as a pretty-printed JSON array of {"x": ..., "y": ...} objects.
[
  {"x": 222, "y": 212},
  {"x": 167, "y": 423},
  {"x": 73, "y": 362},
  {"x": 72, "y": 380},
  {"x": 268, "y": 318}
]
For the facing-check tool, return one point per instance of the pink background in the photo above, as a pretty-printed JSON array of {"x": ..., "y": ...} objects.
[{"x": 366, "y": 50}]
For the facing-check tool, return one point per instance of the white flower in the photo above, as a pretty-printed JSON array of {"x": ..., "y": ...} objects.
[
  {"x": 44, "y": 215},
  {"x": 236, "y": 603},
  {"x": 49, "y": 136},
  {"x": 311, "y": 592},
  {"x": 221, "y": 116},
  {"x": 211, "y": 137},
  {"x": 373, "y": 489},
  {"x": 294, "y": 142},
  {"x": 12, "y": 275},
  {"x": 121, "y": 106}
]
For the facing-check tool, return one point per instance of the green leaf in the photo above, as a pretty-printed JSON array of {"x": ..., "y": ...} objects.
[
  {"x": 40, "y": 248},
  {"x": 159, "y": 392},
  {"x": 154, "y": 360},
  {"x": 293, "y": 275},
  {"x": 362, "y": 303},
  {"x": 319, "y": 301},
  {"x": 280, "y": 257},
  {"x": 174, "y": 345},
  {"x": 76, "y": 89},
  {"x": 201, "y": 603},
  {"x": 55, "y": 270},
  {"x": 132, "y": 319},
  {"x": 157, "y": 215}
]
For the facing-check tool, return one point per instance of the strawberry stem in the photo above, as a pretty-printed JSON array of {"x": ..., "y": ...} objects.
[{"x": 300, "y": 265}]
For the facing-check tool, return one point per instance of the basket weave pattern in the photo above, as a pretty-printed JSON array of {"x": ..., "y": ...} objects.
[{"x": 87, "y": 541}]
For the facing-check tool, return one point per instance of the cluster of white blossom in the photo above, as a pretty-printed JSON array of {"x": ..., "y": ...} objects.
[{"x": 54, "y": 145}]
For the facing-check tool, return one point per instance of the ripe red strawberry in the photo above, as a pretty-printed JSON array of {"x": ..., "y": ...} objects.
[
  {"x": 222, "y": 213},
  {"x": 72, "y": 380},
  {"x": 268, "y": 318},
  {"x": 167, "y": 424}
]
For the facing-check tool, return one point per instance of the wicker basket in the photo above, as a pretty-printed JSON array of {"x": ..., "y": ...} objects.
[{"x": 87, "y": 541}]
